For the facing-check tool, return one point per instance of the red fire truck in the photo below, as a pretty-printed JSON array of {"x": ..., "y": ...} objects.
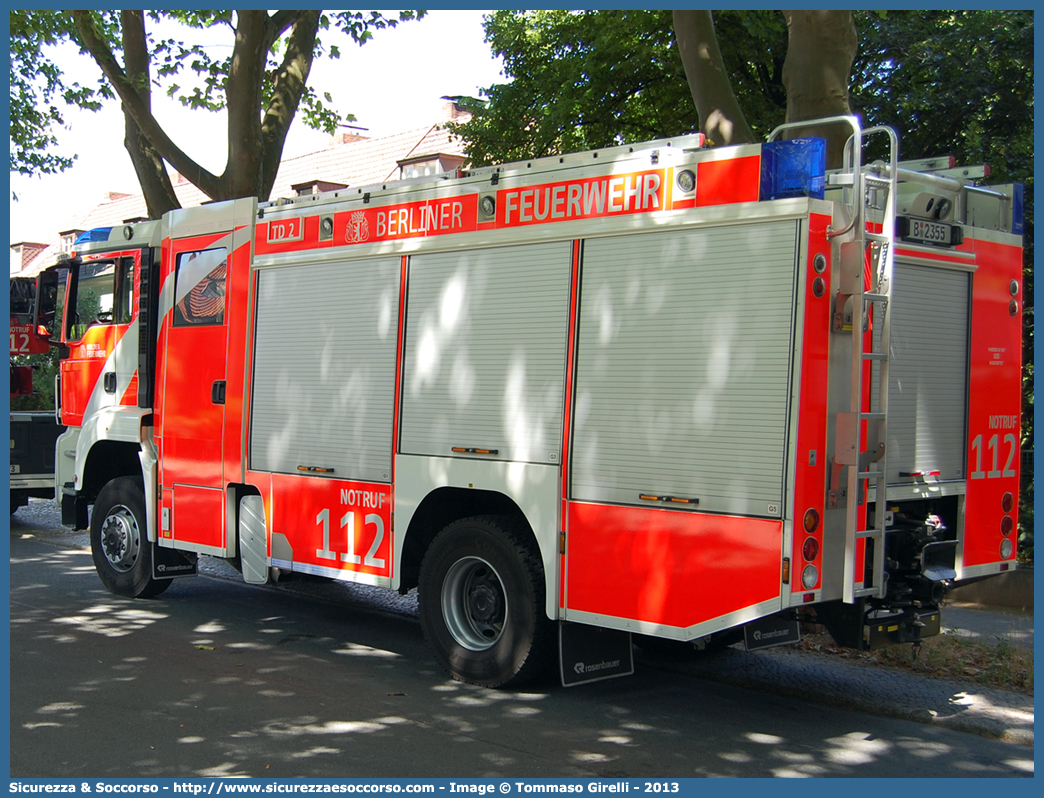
[
  {"x": 33, "y": 433},
  {"x": 686, "y": 393}
]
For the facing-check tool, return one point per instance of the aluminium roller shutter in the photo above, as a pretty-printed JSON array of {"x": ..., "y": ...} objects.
[
  {"x": 324, "y": 368},
  {"x": 486, "y": 334},
  {"x": 928, "y": 372},
  {"x": 684, "y": 367}
]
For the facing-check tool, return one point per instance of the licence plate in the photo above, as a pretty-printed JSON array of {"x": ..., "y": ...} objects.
[{"x": 925, "y": 231}]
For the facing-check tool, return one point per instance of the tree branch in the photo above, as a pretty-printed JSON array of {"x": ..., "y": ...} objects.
[
  {"x": 136, "y": 108},
  {"x": 721, "y": 119},
  {"x": 148, "y": 165},
  {"x": 288, "y": 87}
]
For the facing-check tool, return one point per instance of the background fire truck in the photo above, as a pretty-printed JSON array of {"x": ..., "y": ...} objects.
[
  {"x": 663, "y": 390},
  {"x": 33, "y": 433}
]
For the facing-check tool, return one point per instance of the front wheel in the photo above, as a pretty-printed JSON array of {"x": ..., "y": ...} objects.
[
  {"x": 482, "y": 602},
  {"x": 121, "y": 551}
]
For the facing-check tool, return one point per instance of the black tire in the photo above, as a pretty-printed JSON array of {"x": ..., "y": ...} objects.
[
  {"x": 482, "y": 602},
  {"x": 121, "y": 551}
]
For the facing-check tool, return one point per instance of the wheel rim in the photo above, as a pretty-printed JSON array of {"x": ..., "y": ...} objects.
[
  {"x": 120, "y": 538},
  {"x": 474, "y": 603}
]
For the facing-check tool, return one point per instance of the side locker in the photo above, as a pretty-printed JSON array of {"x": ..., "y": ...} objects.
[
  {"x": 679, "y": 431},
  {"x": 208, "y": 256}
]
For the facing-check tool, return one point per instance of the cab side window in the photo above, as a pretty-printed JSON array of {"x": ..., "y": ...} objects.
[{"x": 199, "y": 288}]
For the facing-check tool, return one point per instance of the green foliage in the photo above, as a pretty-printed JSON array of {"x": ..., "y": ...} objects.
[
  {"x": 587, "y": 79},
  {"x": 185, "y": 69},
  {"x": 39, "y": 91},
  {"x": 45, "y": 367},
  {"x": 579, "y": 79}
]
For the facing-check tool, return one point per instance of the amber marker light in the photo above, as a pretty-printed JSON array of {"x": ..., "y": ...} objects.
[{"x": 811, "y": 521}]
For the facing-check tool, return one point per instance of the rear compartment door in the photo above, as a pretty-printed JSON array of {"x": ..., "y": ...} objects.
[{"x": 928, "y": 373}]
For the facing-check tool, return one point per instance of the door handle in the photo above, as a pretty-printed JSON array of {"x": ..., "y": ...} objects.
[
  {"x": 217, "y": 392},
  {"x": 109, "y": 382}
]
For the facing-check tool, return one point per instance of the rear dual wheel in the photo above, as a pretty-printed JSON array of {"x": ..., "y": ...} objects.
[{"x": 482, "y": 602}]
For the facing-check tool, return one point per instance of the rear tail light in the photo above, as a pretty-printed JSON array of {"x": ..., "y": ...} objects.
[
  {"x": 1007, "y": 524},
  {"x": 1008, "y": 502},
  {"x": 810, "y": 550},
  {"x": 1006, "y": 548}
]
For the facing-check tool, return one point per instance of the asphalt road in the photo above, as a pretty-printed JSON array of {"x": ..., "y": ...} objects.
[{"x": 218, "y": 678}]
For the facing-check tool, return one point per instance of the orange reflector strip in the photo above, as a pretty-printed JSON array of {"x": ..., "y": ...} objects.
[
  {"x": 648, "y": 497},
  {"x": 786, "y": 570}
]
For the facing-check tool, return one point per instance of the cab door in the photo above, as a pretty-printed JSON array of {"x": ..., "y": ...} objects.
[
  {"x": 199, "y": 271},
  {"x": 101, "y": 331}
]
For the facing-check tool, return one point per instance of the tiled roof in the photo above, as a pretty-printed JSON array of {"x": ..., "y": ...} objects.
[{"x": 356, "y": 162}]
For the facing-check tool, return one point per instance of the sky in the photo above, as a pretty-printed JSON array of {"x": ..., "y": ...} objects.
[{"x": 392, "y": 83}]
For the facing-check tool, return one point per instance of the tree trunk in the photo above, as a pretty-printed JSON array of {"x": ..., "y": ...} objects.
[
  {"x": 148, "y": 165},
  {"x": 820, "y": 51},
  {"x": 721, "y": 119},
  {"x": 288, "y": 87}
]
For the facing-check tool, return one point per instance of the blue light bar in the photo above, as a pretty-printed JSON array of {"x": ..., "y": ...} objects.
[
  {"x": 793, "y": 168},
  {"x": 97, "y": 234}
]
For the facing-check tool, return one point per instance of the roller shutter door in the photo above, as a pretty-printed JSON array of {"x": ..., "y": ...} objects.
[
  {"x": 324, "y": 368},
  {"x": 485, "y": 350},
  {"x": 928, "y": 372},
  {"x": 684, "y": 367}
]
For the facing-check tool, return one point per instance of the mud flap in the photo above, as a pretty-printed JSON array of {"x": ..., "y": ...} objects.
[
  {"x": 590, "y": 654},
  {"x": 171, "y": 563},
  {"x": 775, "y": 630}
]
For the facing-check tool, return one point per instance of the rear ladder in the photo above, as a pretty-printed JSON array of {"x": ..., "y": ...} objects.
[{"x": 863, "y": 301}]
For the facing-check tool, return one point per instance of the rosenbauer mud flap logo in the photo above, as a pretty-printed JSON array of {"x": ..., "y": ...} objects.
[
  {"x": 580, "y": 669},
  {"x": 175, "y": 569},
  {"x": 771, "y": 631}
]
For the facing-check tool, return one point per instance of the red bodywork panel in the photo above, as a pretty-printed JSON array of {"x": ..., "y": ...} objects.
[
  {"x": 810, "y": 478},
  {"x": 994, "y": 402},
  {"x": 669, "y": 567},
  {"x": 331, "y": 525}
]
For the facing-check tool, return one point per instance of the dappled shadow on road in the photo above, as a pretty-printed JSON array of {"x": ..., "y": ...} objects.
[{"x": 217, "y": 679}]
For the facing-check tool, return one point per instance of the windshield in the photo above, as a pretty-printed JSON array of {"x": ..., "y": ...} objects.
[{"x": 23, "y": 296}]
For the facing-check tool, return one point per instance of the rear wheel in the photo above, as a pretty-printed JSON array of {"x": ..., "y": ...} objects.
[
  {"x": 121, "y": 551},
  {"x": 482, "y": 602}
]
